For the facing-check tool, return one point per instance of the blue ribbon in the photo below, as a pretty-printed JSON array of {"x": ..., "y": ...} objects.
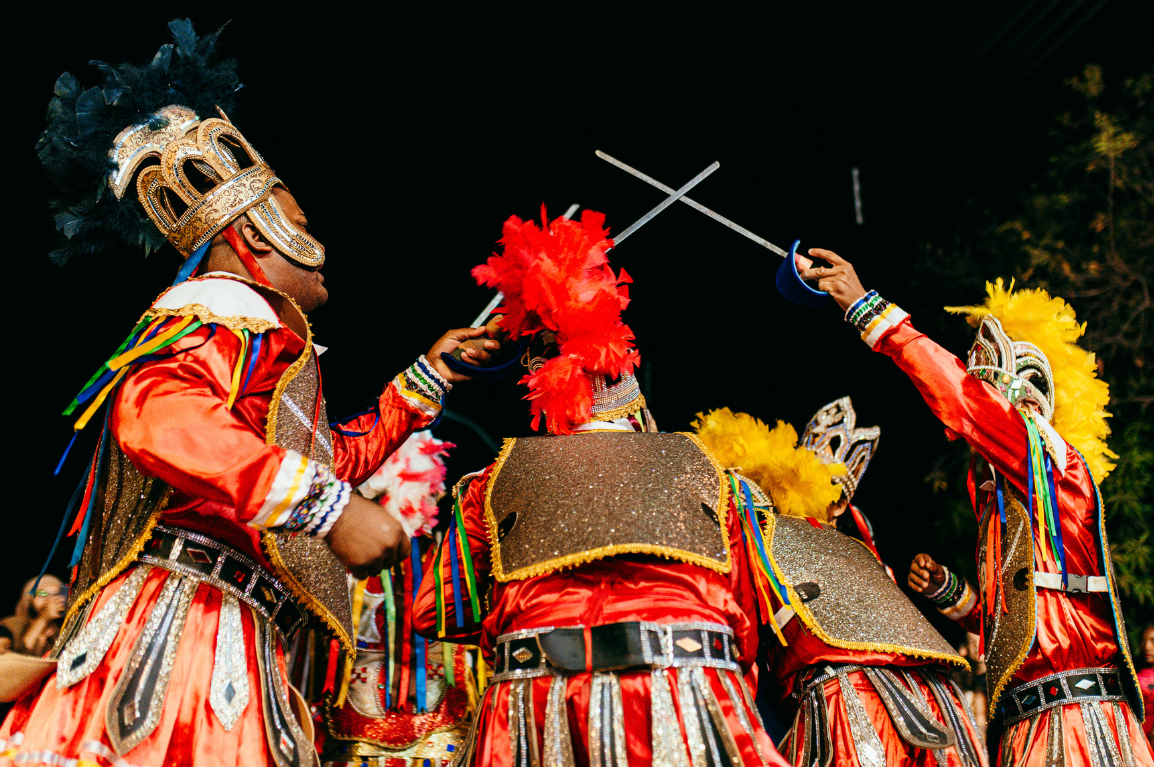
[
  {"x": 1057, "y": 519},
  {"x": 1001, "y": 500},
  {"x": 90, "y": 511},
  {"x": 254, "y": 352},
  {"x": 190, "y": 264},
  {"x": 376, "y": 409},
  {"x": 76, "y": 496},
  {"x": 757, "y": 536},
  {"x": 454, "y": 565},
  {"x": 420, "y": 671}
]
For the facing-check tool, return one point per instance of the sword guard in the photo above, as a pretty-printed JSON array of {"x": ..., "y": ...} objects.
[
  {"x": 507, "y": 368},
  {"x": 792, "y": 286}
]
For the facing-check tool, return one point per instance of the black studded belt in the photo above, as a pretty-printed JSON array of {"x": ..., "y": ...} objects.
[
  {"x": 1080, "y": 685},
  {"x": 612, "y": 647},
  {"x": 225, "y": 568}
]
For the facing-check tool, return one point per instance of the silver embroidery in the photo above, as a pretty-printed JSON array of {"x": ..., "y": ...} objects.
[
  {"x": 287, "y": 743},
  {"x": 558, "y": 742},
  {"x": 83, "y": 654},
  {"x": 228, "y": 690},
  {"x": 742, "y": 716},
  {"x": 134, "y": 708},
  {"x": 620, "y": 755},
  {"x": 1123, "y": 728},
  {"x": 720, "y": 726},
  {"x": 1101, "y": 746},
  {"x": 1055, "y": 740},
  {"x": 668, "y": 747},
  {"x": 867, "y": 744},
  {"x": 531, "y": 725},
  {"x": 697, "y": 755}
]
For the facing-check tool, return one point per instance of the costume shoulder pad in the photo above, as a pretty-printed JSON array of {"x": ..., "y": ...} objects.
[{"x": 220, "y": 300}]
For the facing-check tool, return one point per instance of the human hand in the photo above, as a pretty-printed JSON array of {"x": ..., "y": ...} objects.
[
  {"x": 474, "y": 350},
  {"x": 366, "y": 538},
  {"x": 925, "y": 573},
  {"x": 839, "y": 279}
]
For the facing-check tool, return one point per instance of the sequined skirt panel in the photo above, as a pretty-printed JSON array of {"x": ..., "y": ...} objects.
[
  {"x": 1099, "y": 734},
  {"x": 860, "y": 729},
  {"x": 70, "y": 723},
  {"x": 608, "y": 720}
]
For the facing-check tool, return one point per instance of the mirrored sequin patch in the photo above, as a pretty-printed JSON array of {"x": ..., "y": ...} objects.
[
  {"x": 83, "y": 654},
  {"x": 867, "y": 744},
  {"x": 228, "y": 691},
  {"x": 558, "y": 741},
  {"x": 134, "y": 708},
  {"x": 666, "y": 742}
]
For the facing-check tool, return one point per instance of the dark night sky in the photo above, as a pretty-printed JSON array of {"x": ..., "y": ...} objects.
[{"x": 409, "y": 136}]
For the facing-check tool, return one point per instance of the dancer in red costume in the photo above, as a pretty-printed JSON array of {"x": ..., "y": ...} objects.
[
  {"x": 404, "y": 701},
  {"x": 216, "y": 517},
  {"x": 859, "y": 671},
  {"x": 602, "y": 569},
  {"x": 1062, "y": 685}
]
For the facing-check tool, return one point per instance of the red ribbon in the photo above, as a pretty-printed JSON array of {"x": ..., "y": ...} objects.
[
  {"x": 331, "y": 671},
  {"x": 233, "y": 238}
]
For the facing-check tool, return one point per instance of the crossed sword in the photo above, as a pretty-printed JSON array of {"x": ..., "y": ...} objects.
[{"x": 674, "y": 196}]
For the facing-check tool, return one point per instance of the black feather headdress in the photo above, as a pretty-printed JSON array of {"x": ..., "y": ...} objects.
[{"x": 82, "y": 124}]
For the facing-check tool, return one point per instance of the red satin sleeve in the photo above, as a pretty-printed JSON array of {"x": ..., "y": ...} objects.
[
  {"x": 355, "y": 458},
  {"x": 969, "y": 407},
  {"x": 171, "y": 420}
]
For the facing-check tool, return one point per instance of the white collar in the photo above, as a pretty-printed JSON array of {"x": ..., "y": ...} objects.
[{"x": 618, "y": 424}]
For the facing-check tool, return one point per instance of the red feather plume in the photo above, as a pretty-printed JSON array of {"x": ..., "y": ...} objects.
[{"x": 557, "y": 277}]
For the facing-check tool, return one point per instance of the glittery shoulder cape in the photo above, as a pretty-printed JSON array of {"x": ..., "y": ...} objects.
[
  {"x": 850, "y": 601},
  {"x": 561, "y": 501}
]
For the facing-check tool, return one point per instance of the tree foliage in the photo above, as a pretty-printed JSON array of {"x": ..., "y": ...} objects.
[{"x": 1085, "y": 231}]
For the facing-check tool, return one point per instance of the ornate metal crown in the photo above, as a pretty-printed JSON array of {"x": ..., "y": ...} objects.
[
  {"x": 1019, "y": 370},
  {"x": 611, "y": 401},
  {"x": 197, "y": 176},
  {"x": 832, "y": 435}
]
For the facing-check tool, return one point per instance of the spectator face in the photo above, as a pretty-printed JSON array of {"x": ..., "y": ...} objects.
[
  {"x": 1148, "y": 645},
  {"x": 49, "y": 598}
]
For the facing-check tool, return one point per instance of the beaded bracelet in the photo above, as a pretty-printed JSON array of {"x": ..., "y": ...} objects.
[
  {"x": 862, "y": 323},
  {"x": 427, "y": 367},
  {"x": 868, "y": 307},
  {"x": 950, "y": 591},
  {"x": 860, "y": 304}
]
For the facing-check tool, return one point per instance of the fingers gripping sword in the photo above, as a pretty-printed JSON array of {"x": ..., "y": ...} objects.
[
  {"x": 674, "y": 195},
  {"x": 789, "y": 284}
]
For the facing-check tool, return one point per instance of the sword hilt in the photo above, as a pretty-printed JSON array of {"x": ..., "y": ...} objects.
[{"x": 792, "y": 286}]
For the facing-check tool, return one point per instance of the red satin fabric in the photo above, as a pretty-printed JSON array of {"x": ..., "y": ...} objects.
[
  {"x": 898, "y": 753},
  {"x": 1028, "y": 748},
  {"x": 622, "y": 588},
  {"x": 1074, "y": 631},
  {"x": 170, "y": 419},
  {"x": 494, "y": 748},
  {"x": 62, "y": 722}
]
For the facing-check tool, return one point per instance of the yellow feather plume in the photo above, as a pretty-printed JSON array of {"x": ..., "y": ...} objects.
[
  {"x": 795, "y": 478},
  {"x": 1080, "y": 397}
]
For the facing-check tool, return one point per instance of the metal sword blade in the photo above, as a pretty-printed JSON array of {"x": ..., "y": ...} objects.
[
  {"x": 673, "y": 197},
  {"x": 694, "y": 204}
]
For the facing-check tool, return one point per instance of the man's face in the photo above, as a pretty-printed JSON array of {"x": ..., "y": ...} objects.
[
  {"x": 1148, "y": 645},
  {"x": 306, "y": 286}
]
